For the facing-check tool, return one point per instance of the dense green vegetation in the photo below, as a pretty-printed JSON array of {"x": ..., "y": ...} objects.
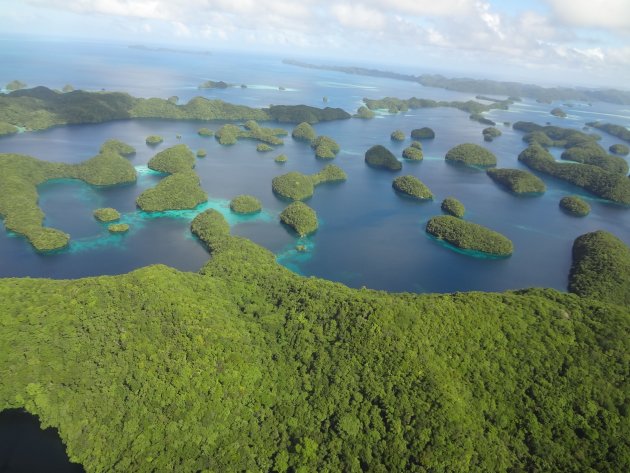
[
  {"x": 229, "y": 134},
  {"x": 263, "y": 147},
  {"x": 424, "y": 133},
  {"x": 325, "y": 147},
  {"x": 281, "y": 158},
  {"x": 364, "y": 112},
  {"x": 518, "y": 181},
  {"x": 67, "y": 88},
  {"x": 175, "y": 192},
  {"x": 395, "y": 105},
  {"x": 601, "y": 268},
  {"x": 178, "y": 158},
  {"x": 40, "y": 108},
  {"x": 15, "y": 85},
  {"x": 615, "y": 130},
  {"x": 154, "y": 140},
  {"x": 329, "y": 173},
  {"x": 549, "y": 135},
  {"x": 380, "y": 157},
  {"x": 608, "y": 185},
  {"x": 416, "y": 144},
  {"x": 618, "y": 148},
  {"x": 211, "y": 84},
  {"x": 293, "y": 185},
  {"x": 106, "y": 214},
  {"x": 575, "y": 205},
  {"x": 514, "y": 90},
  {"x": 300, "y": 217},
  {"x": 558, "y": 112},
  {"x": 469, "y": 236},
  {"x": 413, "y": 153},
  {"x": 118, "y": 147},
  {"x": 453, "y": 207},
  {"x": 304, "y": 132},
  {"x": 592, "y": 153},
  {"x": 297, "y": 186},
  {"x": 304, "y": 113},
  {"x": 471, "y": 155},
  {"x": 397, "y": 135},
  {"x": 7, "y": 129},
  {"x": 245, "y": 204},
  {"x": 412, "y": 186},
  {"x": 478, "y": 117},
  {"x": 201, "y": 153},
  {"x": 264, "y": 134},
  {"x": 205, "y": 132},
  {"x": 118, "y": 228},
  {"x": 490, "y": 133},
  {"x": 20, "y": 175},
  {"x": 249, "y": 367}
]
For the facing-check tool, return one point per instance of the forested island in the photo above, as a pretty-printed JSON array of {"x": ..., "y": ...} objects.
[
  {"x": 22, "y": 174},
  {"x": 297, "y": 186},
  {"x": 608, "y": 185},
  {"x": 381, "y": 158},
  {"x": 471, "y": 154},
  {"x": 453, "y": 207},
  {"x": 575, "y": 205},
  {"x": 412, "y": 187},
  {"x": 300, "y": 217},
  {"x": 106, "y": 214},
  {"x": 245, "y": 204},
  {"x": 601, "y": 268},
  {"x": 612, "y": 129},
  {"x": 175, "y": 192},
  {"x": 485, "y": 86},
  {"x": 231, "y": 351},
  {"x": 518, "y": 181},
  {"x": 469, "y": 235},
  {"x": 40, "y": 108},
  {"x": 396, "y": 105}
]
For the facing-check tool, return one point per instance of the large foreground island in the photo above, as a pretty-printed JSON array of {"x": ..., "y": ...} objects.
[{"x": 247, "y": 366}]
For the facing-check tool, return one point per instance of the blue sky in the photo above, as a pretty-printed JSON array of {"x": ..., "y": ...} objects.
[{"x": 581, "y": 42}]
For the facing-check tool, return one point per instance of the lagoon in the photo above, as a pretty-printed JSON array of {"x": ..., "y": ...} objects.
[{"x": 368, "y": 235}]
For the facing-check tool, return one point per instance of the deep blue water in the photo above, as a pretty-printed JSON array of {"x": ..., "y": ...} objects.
[
  {"x": 26, "y": 448},
  {"x": 368, "y": 235}
]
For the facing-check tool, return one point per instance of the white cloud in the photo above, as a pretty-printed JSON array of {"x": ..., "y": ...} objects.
[
  {"x": 593, "y": 13},
  {"x": 459, "y": 31},
  {"x": 358, "y": 17}
]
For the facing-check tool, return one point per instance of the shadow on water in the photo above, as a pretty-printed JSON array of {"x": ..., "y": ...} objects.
[{"x": 25, "y": 447}]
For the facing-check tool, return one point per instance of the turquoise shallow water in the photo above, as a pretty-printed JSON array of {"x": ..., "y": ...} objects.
[{"x": 368, "y": 235}]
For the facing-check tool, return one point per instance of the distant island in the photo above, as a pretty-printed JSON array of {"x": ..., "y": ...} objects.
[
  {"x": 40, "y": 108},
  {"x": 210, "y": 84},
  {"x": 142, "y": 47},
  {"x": 484, "y": 86}
]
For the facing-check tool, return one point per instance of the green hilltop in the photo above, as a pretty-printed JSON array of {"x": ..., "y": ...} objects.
[{"x": 246, "y": 366}]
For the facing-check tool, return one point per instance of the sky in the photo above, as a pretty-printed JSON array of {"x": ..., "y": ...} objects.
[{"x": 572, "y": 42}]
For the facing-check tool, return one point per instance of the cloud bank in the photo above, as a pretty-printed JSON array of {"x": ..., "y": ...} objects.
[{"x": 589, "y": 36}]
